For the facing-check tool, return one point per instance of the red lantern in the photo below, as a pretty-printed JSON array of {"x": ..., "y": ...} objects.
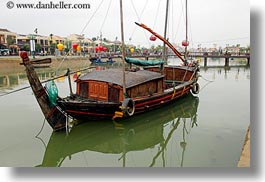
[
  {"x": 97, "y": 49},
  {"x": 185, "y": 43},
  {"x": 74, "y": 46},
  {"x": 75, "y": 76},
  {"x": 100, "y": 48},
  {"x": 104, "y": 49},
  {"x": 153, "y": 38}
]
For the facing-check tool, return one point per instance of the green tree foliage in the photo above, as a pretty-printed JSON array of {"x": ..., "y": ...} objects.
[
  {"x": 53, "y": 47},
  {"x": 26, "y": 47},
  {"x": 68, "y": 44},
  {"x": 37, "y": 47},
  {"x": 10, "y": 40}
]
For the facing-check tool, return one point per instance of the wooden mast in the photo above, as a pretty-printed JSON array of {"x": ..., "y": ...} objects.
[
  {"x": 165, "y": 33},
  {"x": 186, "y": 47},
  {"x": 123, "y": 51}
]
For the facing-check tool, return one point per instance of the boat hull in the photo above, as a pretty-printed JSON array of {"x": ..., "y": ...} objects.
[
  {"x": 88, "y": 110},
  {"x": 91, "y": 110}
]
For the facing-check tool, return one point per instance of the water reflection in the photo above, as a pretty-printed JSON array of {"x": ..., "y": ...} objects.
[
  {"x": 150, "y": 130},
  {"x": 12, "y": 80},
  {"x": 223, "y": 70}
]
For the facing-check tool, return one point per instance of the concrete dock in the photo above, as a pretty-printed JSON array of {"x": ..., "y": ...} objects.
[{"x": 244, "y": 160}]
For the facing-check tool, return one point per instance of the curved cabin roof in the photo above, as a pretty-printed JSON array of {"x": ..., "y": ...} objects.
[{"x": 115, "y": 76}]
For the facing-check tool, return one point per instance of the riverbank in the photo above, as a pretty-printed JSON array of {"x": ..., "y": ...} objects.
[
  {"x": 244, "y": 160},
  {"x": 11, "y": 64}
]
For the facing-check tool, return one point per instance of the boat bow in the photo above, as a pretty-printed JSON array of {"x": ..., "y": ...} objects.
[{"x": 53, "y": 114}]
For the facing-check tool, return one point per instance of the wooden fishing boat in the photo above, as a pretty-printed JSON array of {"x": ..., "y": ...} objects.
[
  {"x": 103, "y": 94},
  {"x": 100, "y": 93},
  {"x": 112, "y": 93}
]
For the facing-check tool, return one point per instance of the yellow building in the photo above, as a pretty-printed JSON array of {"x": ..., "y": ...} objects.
[{"x": 7, "y": 38}]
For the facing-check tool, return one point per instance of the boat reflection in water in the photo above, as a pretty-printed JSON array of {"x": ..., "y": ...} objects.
[{"x": 150, "y": 130}]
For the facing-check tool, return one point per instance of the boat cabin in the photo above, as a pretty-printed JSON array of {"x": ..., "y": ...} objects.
[{"x": 106, "y": 85}]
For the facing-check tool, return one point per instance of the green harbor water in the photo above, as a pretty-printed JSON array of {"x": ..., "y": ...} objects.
[{"x": 206, "y": 130}]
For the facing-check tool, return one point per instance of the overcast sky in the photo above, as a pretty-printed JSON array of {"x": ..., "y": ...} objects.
[{"x": 211, "y": 22}]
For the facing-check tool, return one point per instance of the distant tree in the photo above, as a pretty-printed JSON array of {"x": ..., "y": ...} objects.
[
  {"x": 26, "y": 47},
  {"x": 67, "y": 44},
  {"x": 109, "y": 47},
  {"x": 158, "y": 48},
  {"x": 94, "y": 38},
  {"x": 37, "y": 47},
  {"x": 66, "y": 49},
  {"x": 53, "y": 47},
  {"x": 242, "y": 50},
  {"x": 248, "y": 49},
  {"x": 10, "y": 40}
]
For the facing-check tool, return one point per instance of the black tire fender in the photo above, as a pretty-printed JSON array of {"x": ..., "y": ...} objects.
[
  {"x": 195, "y": 88},
  {"x": 128, "y": 107}
]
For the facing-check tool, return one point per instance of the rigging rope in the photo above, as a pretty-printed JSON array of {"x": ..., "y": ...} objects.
[
  {"x": 105, "y": 16},
  {"x": 7, "y": 93},
  {"x": 157, "y": 10},
  {"x": 91, "y": 17},
  {"x": 41, "y": 128},
  {"x": 58, "y": 67},
  {"x": 206, "y": 79},
  {"x": 178, "y": 26},
  {"x": 190, "y": 30},
  {"x": 139, "y": 19},
  {"x": 204, "y": 86},
  {"x": 37, "y": 136},
  {"x": 222, "y": 40},
  {"x": 172, "y": 17}
]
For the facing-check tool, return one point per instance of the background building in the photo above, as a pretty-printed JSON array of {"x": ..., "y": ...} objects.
[{"x": 8, "y": 40}]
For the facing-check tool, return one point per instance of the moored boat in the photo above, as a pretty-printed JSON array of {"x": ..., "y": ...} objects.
[
  {"x": 97, "y": 60},
  {"x": 99, "y": 94},
  {"x": 112, "y": 93}
]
